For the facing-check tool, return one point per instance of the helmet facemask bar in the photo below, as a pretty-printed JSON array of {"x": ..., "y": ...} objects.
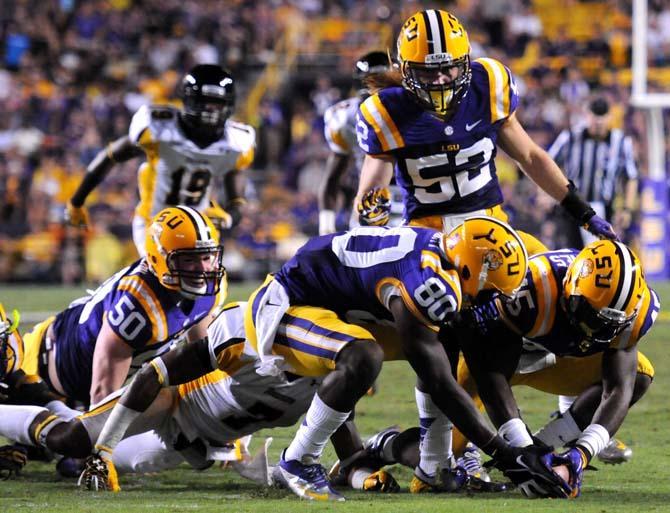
[
  {"x": 438, "y": 87},
  {"x": 207, "y": 112},
  {"x": 598, "y": 326},
  {"x": 195, "y": 282},
  {"x": 6, "y": 329}
]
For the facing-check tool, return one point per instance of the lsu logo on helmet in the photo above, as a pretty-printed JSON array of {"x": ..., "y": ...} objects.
[
  {"x": 602, "y": 291},
  {"x": 434, "y": 54},
  {"x": 488, "y": 254},
  {"x": 183, "y": 251}
]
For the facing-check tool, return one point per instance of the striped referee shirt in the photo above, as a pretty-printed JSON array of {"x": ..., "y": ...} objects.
[{"x": 594, "y": 165}]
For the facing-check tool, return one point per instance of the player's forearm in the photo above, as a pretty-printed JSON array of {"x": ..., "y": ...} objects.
[
  {"x": 117, "y": 151},
  {"x": 376, "y": 172},
  {"x": 546, "y": 174}
]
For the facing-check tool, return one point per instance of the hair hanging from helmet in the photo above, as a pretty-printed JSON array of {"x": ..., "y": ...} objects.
[{"x": 379, "y": 81}]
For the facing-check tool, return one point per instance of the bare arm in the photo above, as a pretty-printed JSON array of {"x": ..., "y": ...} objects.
[
  {"x": 111, "y": 361},
  {"x": 429, "y": 360},
  {"x": 534, "y": 161},
  {"x": 179, "y": 366},
  {"x": 199, "y": 331},
  {"x": 619, "y": 369},
  {"x": 120, "y": 150},
  {"x": 377, "y": 171},
  {"x": 492, "y": 360}
]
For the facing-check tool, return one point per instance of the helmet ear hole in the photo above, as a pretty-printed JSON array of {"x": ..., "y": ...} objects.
[{"x": 465, "y": 273}]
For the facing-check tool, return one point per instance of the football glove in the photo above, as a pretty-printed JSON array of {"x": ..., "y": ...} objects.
[
  {"x": 381, "y": 481},
  {"x": 225, "y": 218},
  {"x": 530, "y": 469},
  {"x": 600, "y": 228},
  {"x": 76, "y": 216},
  {"x": 99, "y": 475},
  {"x": 576, "y": 461},
  {"x": 12, "y": 459},
  {"x": 374, "y": 208}
]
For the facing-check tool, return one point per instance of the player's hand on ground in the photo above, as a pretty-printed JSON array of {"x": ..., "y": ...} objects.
[
  {"x": 576, "y": 461},
  {"x": 530, "y": 469},
  {"x": 99, "y": 475},
  {"x": 374, "y": 208},
  {"x": 76, "y": 216},
  {"x": 12, "y": 460}
]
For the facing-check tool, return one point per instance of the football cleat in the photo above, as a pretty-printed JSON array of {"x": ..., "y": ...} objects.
[
  {"x": 450, "y": 481},
  {"x": 471, "y": 461},
  {"x": 12, "y": 460},
  {"x": 307, "y": 479},
  {"x": 615, "y": 452},
  {"x": 99, "y": 475},
  {"x": 374, "y": 445}
]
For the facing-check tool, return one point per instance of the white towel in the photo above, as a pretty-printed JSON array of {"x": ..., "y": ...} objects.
[{"x": 271, "y": 308}]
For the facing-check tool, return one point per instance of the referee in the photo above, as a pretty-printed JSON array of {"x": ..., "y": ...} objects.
[{"x": 599, "y": 160}]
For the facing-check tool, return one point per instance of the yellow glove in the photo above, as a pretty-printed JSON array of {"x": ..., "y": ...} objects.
[
  {"x": 381, "y": 481},
  {"x": 220, "y": 217},
  {"x": 99, "y": 475},
  {"x": 76, "y": 216},
  {"x": 374, "y": 208}
]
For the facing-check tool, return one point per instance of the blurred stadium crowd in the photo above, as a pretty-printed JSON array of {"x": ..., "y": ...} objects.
[{"x": 73, "y": 73}]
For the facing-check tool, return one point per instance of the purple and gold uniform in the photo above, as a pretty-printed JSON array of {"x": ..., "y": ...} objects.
[
  {"x": 443, "y": 167},
  {"x": 537, "y": 315},
  {"x": 555, "y": 357},
  {"x": 351, "y": 277},
  {"x": 138, "y": 309}
]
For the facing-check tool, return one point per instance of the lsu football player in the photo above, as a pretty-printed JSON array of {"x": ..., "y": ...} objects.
[
  {"x": 341, "y": 289},
  {"x": 196, "y": 398},
  {"x": 186, "y": 152},
  {"x": 435, "y": 123},
  {"x": 573, "y": 328},
  {"x": 88, "y": 350},
  {"x": 340, "y": 132}
]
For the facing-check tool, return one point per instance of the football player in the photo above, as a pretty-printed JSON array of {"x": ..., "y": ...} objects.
[
  {"x": 186, "y": 151},
  {"x": 340, "y": 131},
  {"x": 88, "y": 350},
  {"x": 572, "y": 329},
  {"x": 197, "y": 398},
  {"x": 435, "y": 122},
  {"x": 411, "y": 278}
]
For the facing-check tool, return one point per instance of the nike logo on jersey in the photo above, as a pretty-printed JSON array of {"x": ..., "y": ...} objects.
[{"x": 469, "y": 126}]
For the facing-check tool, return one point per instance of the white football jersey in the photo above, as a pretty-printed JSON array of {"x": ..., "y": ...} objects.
[
  {"x": 178, "y": 171},
  {"x": 235, "y": 401},
  {"x": 340, "y": 129}
]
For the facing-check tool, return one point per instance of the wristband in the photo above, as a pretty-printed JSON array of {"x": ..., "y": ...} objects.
[
  {"x": 516, "y": 433},
  {"x": 326, "y": 222},
  {"x": 576, "y": 206},
  {"x": 593, "y": 439}
]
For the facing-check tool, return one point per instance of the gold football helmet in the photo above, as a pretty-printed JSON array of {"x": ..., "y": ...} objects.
[
  {"x": 183, "y": 251},
  {"x": 488, "y": 254},
  {"x": 602, "y": 290},
  {"x": 434, "y": 55},
  {"x": 8, "y": 328}
]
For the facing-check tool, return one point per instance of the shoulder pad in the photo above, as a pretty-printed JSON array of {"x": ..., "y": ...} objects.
[
  {"x": 378, "y": 112},
  {"x": 241, "y": 136},
  {"x": 503, "y": 96}
]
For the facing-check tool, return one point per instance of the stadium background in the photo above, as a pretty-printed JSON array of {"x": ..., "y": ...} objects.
[{"x": 73, "y": 73}]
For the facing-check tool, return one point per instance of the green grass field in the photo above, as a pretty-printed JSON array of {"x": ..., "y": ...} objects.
[{"x": 642, "y": 485}]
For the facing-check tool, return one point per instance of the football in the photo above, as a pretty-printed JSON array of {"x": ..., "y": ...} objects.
[{"x": 563, "y": 471}]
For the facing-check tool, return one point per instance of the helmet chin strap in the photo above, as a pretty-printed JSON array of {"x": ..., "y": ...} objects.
[{"x": 483, "y": 274}]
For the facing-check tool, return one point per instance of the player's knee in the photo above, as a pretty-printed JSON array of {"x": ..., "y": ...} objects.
[
  {"x": 362, "y": 359},
  {"x": 69, "y": 439},
  {"x": 642, "y": 384}
]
